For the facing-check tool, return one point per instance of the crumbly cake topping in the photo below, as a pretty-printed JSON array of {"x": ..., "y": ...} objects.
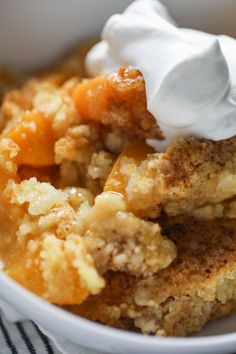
[{"x": 94, "y": 220}]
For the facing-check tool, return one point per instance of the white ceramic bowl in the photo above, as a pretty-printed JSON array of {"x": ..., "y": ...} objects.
[{"x": 32, "y": 34}]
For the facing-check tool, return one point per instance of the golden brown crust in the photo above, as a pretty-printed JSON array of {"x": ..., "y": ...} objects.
[
  {"x": 120, "y": 241},
  {"x": 92, "y": 235},
  {"x": 198, "y": 286},
  {"x": 189, "y": 175}
]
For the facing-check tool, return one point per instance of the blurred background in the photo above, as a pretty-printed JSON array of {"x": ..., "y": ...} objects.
[{"x": 33, "y": 33}]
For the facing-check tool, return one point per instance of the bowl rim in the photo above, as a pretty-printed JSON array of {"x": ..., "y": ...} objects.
[{"x": 37, "y": 308}]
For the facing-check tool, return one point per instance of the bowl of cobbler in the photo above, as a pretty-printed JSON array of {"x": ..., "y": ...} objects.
[{"x": 118, "y": 172}]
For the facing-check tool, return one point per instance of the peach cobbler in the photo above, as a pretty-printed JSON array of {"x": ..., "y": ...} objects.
[{"x": 94, "y": 220}]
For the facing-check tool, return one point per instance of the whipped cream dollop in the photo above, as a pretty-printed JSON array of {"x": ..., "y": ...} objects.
[{"x": 190, "y": 76}]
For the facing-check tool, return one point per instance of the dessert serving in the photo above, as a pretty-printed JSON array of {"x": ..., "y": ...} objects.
[{"x": 118, "y": 176}]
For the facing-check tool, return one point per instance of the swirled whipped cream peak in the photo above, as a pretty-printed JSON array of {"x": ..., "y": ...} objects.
[{"x": 190, "y": 76}]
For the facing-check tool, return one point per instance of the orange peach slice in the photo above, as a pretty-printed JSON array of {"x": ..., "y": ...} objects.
[{"x": 35, "y": 138}]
